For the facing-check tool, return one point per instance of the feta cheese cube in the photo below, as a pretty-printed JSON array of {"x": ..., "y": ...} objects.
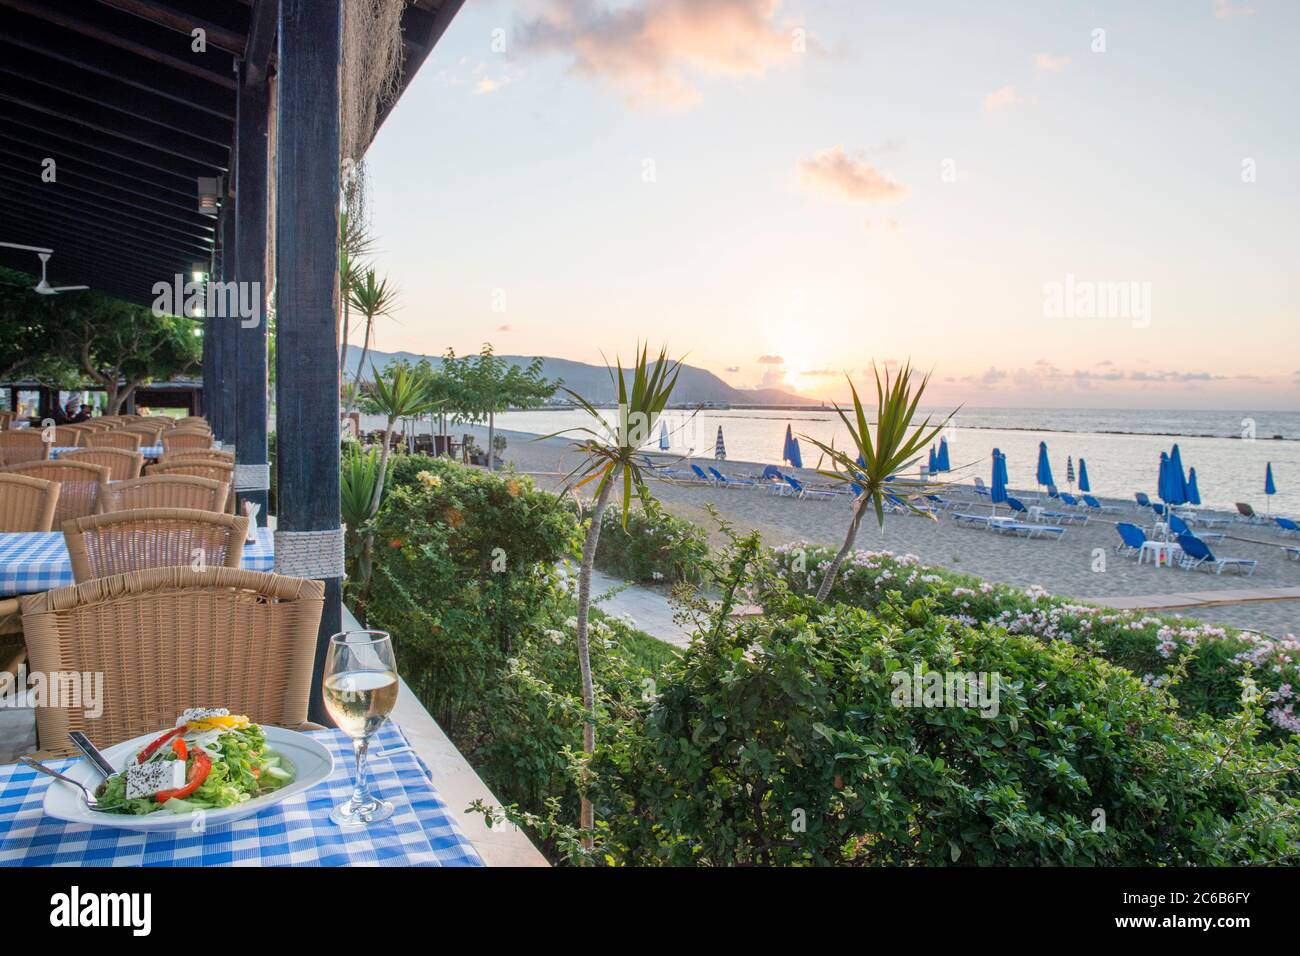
[
  {"x": 198, "y": 713},
  {"x": 145, "y": 780}
]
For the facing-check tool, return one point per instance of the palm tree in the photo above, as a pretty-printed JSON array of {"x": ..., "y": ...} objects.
[
  {"x": 610, "y": 457},
  {"x": 869, "y": 466},
  {"x": 355, "y": 243},
  {"x": 371, "y": 298}
]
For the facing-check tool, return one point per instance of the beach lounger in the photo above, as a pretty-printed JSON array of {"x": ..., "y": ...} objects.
[
  {"x": 1180, "y": 527},
  {"x": 1131, "y": 538},
  {"x": 796, "y": 489},
  {"x": 1142, "y": 500},
  {"x": 1196, "y": 554},
  {"x": 963, "y": 518},
  {"x": 940, "y": 502},
  {"x": 1287, "y": 525},
  {"x": 1246, "y": 513},
  {"x": 981, "y": 488},
  {"x": 725, "y": 482},
  {"x": 1210, "y": 521},
  {"x": 1021, "y": 529}
]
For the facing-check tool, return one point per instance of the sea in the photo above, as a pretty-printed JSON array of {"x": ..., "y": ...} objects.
[{"x": 1230, "y": 450}]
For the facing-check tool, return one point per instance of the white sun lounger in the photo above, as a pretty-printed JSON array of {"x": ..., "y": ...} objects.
[
  {"x": 963, "y": 518},
  {"x": 1022, "y": 529}
]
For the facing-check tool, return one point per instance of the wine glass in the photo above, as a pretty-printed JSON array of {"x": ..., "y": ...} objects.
[{"x": 360, "y": 688}]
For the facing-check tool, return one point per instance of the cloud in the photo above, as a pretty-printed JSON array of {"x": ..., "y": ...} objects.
[
  {"x": 490, "y": 85},
  {"x": 850, "y": 177},
  {"x": 732, "y": 369},
  {"x": 770, "y": 360},
  {"x": 820, "y": 371},
  {"x": 1224, "y": 10},
  {"x": 1046, "y": 63},
  {"x": 772, "y": 377},
  {"x": 1003, "y": 97},
  {"x": 504, "y": 328},
  {"x": 657, "y": 50}
]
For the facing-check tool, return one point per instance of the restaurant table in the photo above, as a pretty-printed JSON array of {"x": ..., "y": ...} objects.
[
  {"x": 149, "y": 451},
  {"x": 298, "y": 832},
  {"x": 32, "y": 561}
]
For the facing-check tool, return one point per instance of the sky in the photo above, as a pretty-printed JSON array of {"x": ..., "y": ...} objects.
[{"x": 1043, "y": 204}]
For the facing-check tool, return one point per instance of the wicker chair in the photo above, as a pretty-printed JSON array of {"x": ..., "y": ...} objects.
[
  {"x": 123, "y": 439},
  {"x": 193, "y": 420},
  {"x": 65, "y": 436},
  {"x": 121, "y": 464},
  {"x": 179, "y": 439},
  {"x": 6, "y": 419},
  {"x": 187, "y": 457},
  {"x": 172, "y": 638},
  {"x": 22, "y": 444},
  {"x": 216, "y": 470},
  {"x": 165, "y": 491},
  {"x": 124, "y": 541},
  {"x": 27, "y": 504},
  {"x": 80, "y": 485}
]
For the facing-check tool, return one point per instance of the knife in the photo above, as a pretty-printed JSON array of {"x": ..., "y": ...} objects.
[{"x": 91, "y": 753}]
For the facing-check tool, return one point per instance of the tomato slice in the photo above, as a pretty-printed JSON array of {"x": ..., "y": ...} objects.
[
  {"x": 145, "y": 754},
  {"x": 181, "y": 751},
  {"x": 199, "y": 771}
]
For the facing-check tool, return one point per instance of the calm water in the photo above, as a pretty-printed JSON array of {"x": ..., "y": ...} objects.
[{"x": 1122, "y": 448}]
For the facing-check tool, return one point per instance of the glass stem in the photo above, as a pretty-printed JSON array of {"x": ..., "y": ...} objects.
[{"x": 360, "y": 795}]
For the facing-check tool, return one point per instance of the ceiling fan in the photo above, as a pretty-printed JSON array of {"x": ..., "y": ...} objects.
[{"x": 43, "y": 287}]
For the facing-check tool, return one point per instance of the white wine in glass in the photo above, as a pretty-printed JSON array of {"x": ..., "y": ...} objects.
[{"x": 360, "y": 689}]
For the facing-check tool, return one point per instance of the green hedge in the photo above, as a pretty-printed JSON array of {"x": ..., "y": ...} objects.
[
  {"x": 783, "y": 741},
  {"x": 1144, "y": 643},
  {"x": 655, "y": 548}
]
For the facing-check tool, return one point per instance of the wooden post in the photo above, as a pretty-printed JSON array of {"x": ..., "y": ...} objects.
[
  {"x": 309, "y": 540},
  {"x": 223, "y": 269},
  {"x": 252, "y": 478},
  {"x": 227, "y": 340}
]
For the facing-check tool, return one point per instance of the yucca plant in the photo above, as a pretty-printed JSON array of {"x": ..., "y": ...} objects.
[
  {"x": 609, "y": 459},
  {"x": 870, "y": 464},
  {"x": 372, "y": 298},
  {"x": 358, "y": 476},
  {"x": 355, "y": 243},
  {"x": 398, "y": 392}
]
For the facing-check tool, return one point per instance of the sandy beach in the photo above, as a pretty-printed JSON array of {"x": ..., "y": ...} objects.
[{"x": 1064, "y": 566}]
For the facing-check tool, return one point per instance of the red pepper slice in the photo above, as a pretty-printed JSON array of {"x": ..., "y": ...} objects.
[
  {"x": 145, "y": 754},
  {"x": 199, "y": 771},
  {"x": 180, "y": 750}
]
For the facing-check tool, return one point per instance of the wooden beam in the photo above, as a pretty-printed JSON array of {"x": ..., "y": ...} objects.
[
  {"x": 251, "y": 148},
  {"x": 106, "y": 122},
  {"x": 181, "y": 22},
  {"x": 114, "y": 63},
  {"x": 170, "y": 184},
  {"x": 306, "y": 291},
  {"x": 151, "y": 42},
  {"x": 103, "y": 91},
  {"x": 262, "y": 23}
]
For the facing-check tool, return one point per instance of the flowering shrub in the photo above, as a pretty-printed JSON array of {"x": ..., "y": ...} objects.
[
  {"x": 463, "y": 562},
  {"x": 1144, "y": 643},
  {"x": 656, "y": 547}
]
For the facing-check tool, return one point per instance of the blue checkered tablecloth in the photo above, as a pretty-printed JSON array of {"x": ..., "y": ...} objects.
[
  {"x": 32, "y": 561},
  {"x": 149, "y": 451},
  {"x": 298, "y": 832}
]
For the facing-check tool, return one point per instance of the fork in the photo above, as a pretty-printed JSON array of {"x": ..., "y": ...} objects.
[{"x": 91, "y": 801}]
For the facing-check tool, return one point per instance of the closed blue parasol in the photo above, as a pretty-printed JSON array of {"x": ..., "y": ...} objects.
[
  {"x": 1162, "y": 480},
  {"x": 933, "y": 467},
  {"x": 1270, "y": 489},
  {"x": 999, "y": 493},
  {"x": 1044, "y": 466},
  {"x": 944, "y": 463},
  {"x": 1083, "y": 477},
  {"x": 663, "y": 435},
  {"x": 1193, "y": 493},
  {"x": 1069, "y": 471},
  {"x": 720, "y": 447},
  {"x": 1177, "y": 478}
]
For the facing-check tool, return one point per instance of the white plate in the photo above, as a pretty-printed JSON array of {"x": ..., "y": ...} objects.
[{"x": 310, "y": 760}]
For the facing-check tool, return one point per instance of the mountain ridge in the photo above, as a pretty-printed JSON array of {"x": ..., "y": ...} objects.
[{"x": 694, "y": 385}]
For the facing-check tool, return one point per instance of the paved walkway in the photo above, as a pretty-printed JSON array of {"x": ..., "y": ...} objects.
[
  {"x": 1193, "y": 599},
  {"x": 648, "y": 607}
]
